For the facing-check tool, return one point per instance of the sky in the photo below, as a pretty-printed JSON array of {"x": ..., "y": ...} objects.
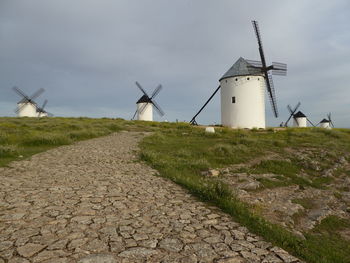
[{"x": 87, "y": 54}]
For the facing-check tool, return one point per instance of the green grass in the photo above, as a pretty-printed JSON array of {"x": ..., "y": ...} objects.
[
  {"x": 181, "y": 155},
  {"x": 181, "y": 152}
]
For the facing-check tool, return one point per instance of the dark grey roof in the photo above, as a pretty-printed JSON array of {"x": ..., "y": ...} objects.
[
  {"x": 143, "y": 99},
  {"x": 299, "y": 114},
  {"x": 241, "y": 68},
  {"x": 324, "y": 121}
]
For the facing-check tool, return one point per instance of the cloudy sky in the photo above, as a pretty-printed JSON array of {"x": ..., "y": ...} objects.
[{"x": 87, "y": 54}]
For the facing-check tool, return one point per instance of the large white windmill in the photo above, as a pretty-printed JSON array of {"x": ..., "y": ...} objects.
[
  {"x": 243, "y": 91},
  {"x": 145, "y": 105},
  {"x": 27, "y": 107}
]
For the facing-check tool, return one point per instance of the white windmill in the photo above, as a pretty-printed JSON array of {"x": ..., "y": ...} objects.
[
  {"x": 145, "y": 105},
  {"x": 41, "y": 112},
  {"x": 299, "y": 118},
  {"x": 243, "y": 91},
  {"x": 27, "y": 107},
  {"x": 327, "y": 123}
]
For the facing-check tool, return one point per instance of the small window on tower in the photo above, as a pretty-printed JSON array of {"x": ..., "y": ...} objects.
[
  {"x": 236, "y": 79},
  {"x": 247, "y": 78},
  {"x": 233, "y": 99},
  {"x": 226, "y": 80}
]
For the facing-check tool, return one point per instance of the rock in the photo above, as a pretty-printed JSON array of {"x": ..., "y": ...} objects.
[
  {"x": 98, "y": 258},
  {"x": 250, "y": 185},
  {"x": 171, "y": 244},
  {"x": 46, "y": 255},
  {"x": 29, "y": 250},
  {"x": 250, "y": 256},
  {"x": 232, "y": 260},
  {"x": 5, "y": 245},
  {"x": 210, "y": 130},
  {"x": 213, "y": 173},
  {"x": 271, "y": 259},
  {"x": 137, "y": 252},
  {"x": 17, "y": 260},
  {"x": 213, "y": 239}
]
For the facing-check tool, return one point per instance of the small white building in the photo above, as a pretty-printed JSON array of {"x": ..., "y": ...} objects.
[
  {"x": 27, "y": 109},
  {"x": 144, "y": 109},
  {"x": 299, "y": 120},
  {"x": 325, "y": 124},
  {"x": 243, "y": 96}
]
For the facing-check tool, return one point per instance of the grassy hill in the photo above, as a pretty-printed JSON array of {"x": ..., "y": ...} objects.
[{"x": 291, "y": 186}]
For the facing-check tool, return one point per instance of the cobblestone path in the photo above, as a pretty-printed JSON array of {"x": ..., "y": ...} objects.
[{"x": 93, "y": 202}]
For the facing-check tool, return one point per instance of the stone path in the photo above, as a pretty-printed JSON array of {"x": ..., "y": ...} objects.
[{"x": 93, "y": 202}]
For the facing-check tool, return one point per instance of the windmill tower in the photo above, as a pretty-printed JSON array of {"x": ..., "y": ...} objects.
[
  {"x": 146, "y": 103},
  {"x": 243, "y": 91},
  {"x": 27, "y": 107},
  {"x": 299, "y": 120}
]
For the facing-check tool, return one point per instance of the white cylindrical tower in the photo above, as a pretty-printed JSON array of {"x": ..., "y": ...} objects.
[
  {"x": 325, "y": 124},
  {"x": 146, "y": 106},
  {"x": 27, "y": 110},
  {"x": 299, "y": 120},
  {"x": 243, "y": 97}
]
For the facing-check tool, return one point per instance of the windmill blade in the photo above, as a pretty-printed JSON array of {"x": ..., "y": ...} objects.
[
  {"x": 37, "y": 94},
  {"x": 143, "y": 107},
  {"x": 257, "y": 33},
  {"x": 20, "y": 108},
  {"x": 271, "y": 93},
  {"x": 292, "y": 112},
  {"x": 310, "y": 122},
  {"x": 330, "y": 120},
  {"x": 193, "y": 120},
  {"x": 279, "y": 69},
  {"x": 286, "y": 123},
  {"x": 296, "y": 120},
  {"x": 156, "y": 91},
  {"x": 134, "y": 115},
  {"x": 44, "y": 104},
  {"x": 296, "y": 107},
  {"x": 21, "y": 93},
  {"x": 158, "y": 108},
  {"x": 143, "y": 91},
  {"x": 254, "y": 63}
]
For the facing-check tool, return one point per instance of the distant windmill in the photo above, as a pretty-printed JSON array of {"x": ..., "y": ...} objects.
[
  {"x": 27, "y": 107},
  {"x": 243, "y": 91},
  {"x": 299, "y": 118},
  {"x": 327, "y": 123},
  {"x": 41, "y": 112},
  {"x": 145, "y": 105}
]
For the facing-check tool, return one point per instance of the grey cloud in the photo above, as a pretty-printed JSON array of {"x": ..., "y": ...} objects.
[{"x": 88, "y": 53}]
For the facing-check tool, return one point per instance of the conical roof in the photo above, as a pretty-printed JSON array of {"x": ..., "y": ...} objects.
[
  {"x": 144, "y": 99},
  {"x": 299, "y": 114},
  {"x": 241, "y": 68},
  {"x": 324, "y": 121}
]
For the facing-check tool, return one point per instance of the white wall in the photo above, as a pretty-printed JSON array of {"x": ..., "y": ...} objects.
[
  {"x": 146, "y": 114},
  {"x": 325, "y": 125},
  {"x": 249, "y": 109},
  {"x": 302, "y": 122},
  {"x": 27, "y": 110}
]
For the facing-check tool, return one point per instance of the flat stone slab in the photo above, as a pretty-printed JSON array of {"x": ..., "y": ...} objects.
[{"x": 93, "y": 202}]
